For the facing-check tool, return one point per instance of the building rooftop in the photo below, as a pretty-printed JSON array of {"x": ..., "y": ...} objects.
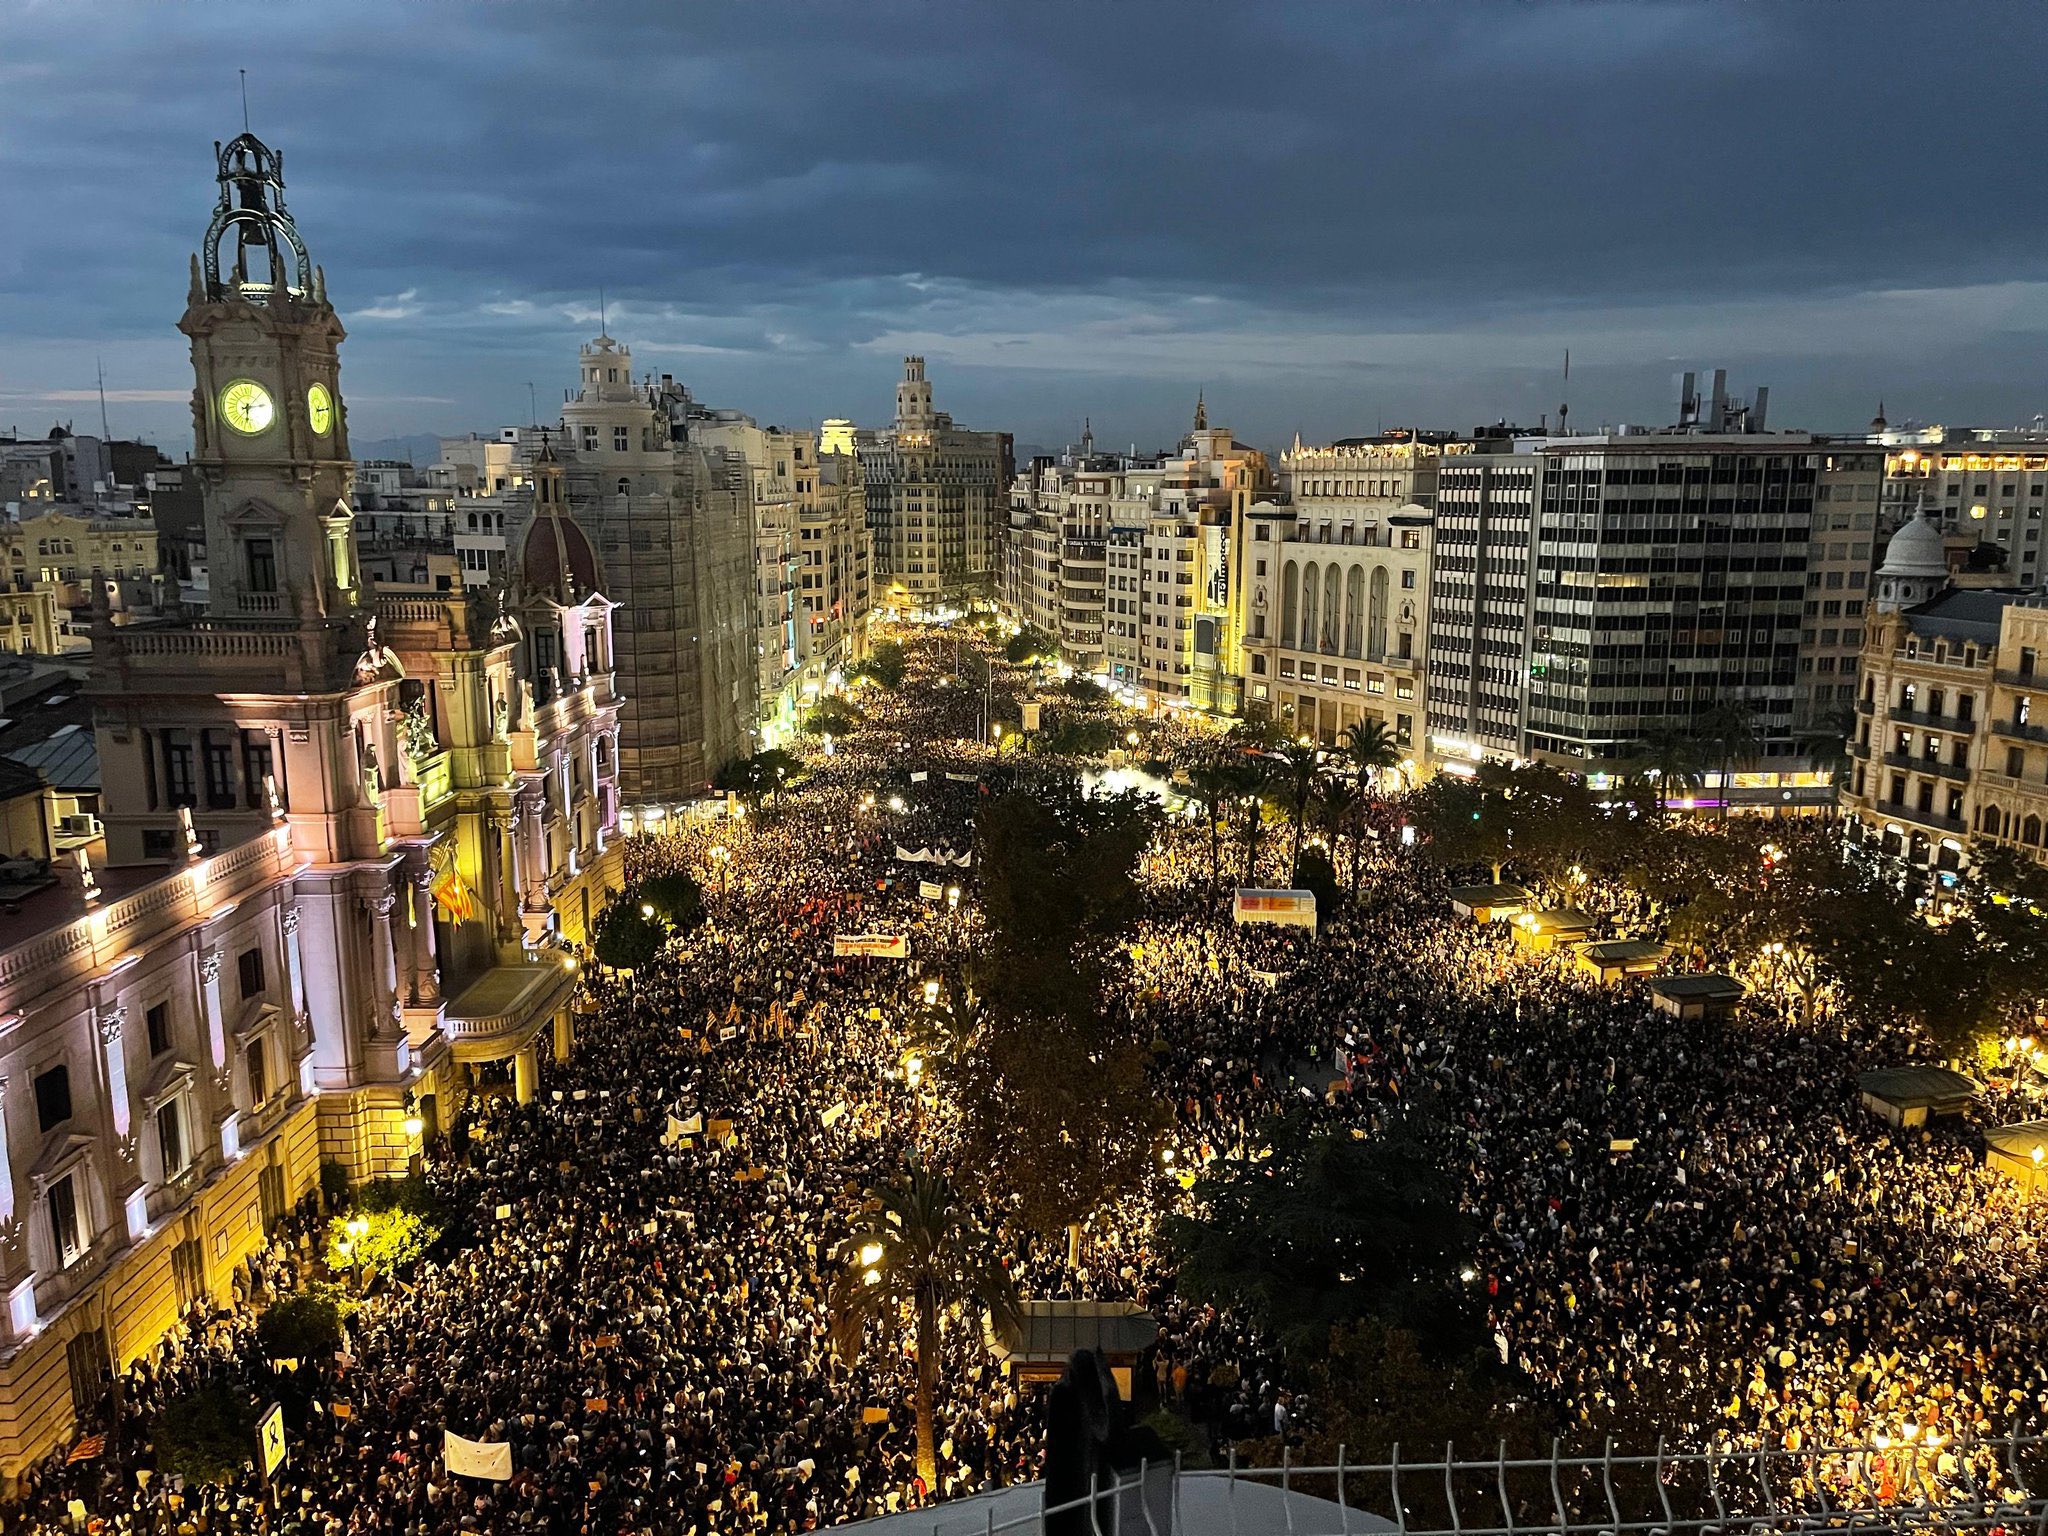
[{"x": 1964, "y": 613}]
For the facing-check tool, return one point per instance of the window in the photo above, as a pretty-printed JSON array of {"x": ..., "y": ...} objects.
[
  {"x": 257, "y": 767},
  {"x": 259, "y": 1076},
  {"x": 590, "y": 439},
  {"x": 262, "y": 558},
  {"x": 621, "y": 439},
  {"x": 53, "y": 1097},
  {"x": 170, "y": 1139},
  {"x": 251, "y": 967},
  {"x": 64, "y": 1222},
  {"x": 178, "y": 772},
  {"x": 159, "y": 1019},
  {"x": 220, "y": 773},
  {"x": 1407, "y": 581}
]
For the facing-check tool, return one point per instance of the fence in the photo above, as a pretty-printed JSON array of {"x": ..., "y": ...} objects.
[{"x": 1881, "y": 1488}]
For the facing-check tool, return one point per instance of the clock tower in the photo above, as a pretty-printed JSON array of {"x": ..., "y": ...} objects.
[{"x": 269, "y": 430}]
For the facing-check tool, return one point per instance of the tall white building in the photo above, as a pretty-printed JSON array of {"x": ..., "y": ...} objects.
[{"x": 936, "y": 498}]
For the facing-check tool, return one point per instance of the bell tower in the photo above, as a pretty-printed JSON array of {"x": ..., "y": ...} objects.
[{"x": 269, "y": 430}]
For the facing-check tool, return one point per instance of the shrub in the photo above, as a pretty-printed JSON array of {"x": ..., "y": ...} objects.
[
  {"x": 206, "y": 1436},
  {"x": 676, "y": 898},
  {"x": 626, "y": 938},
  {"x": 303, "y": 1327}
]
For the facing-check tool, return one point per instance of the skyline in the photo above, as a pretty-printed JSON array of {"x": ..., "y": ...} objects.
[{"x": 1328, "y": 224}]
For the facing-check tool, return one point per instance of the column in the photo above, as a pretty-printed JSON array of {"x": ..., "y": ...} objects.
[
  {"x": 426, "y": 959},
  {"x": 525, "y": 1073},
  {"x": 565, "y": 1033},
  {"x": 19, "y": 1283},
  {"x": 209, "y": 999},
  {"x": 384, "y": 1001},
  {"x": 295, "y": 980},
  {"x": 217, "y": 1045},
  {"x": 128, "y": 1190}
]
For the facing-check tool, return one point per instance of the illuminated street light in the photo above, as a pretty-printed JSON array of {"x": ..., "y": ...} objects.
[
  {"x": 931, "y": 993},
  {"x": 646, "y": 909},
  {"x": 870, "y": 1256}
]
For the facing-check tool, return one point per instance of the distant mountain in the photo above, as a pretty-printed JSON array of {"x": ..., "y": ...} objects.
[{"x": 419, "y": 449}]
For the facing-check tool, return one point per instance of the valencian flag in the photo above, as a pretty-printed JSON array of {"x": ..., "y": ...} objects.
[{"x": 451, "y": 893}]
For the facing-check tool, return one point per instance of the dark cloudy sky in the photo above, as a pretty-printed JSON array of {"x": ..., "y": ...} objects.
[{"x": 1326, "y": 215}]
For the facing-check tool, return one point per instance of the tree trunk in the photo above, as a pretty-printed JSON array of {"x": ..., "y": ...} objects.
[{"x": 927, "y": 1381}]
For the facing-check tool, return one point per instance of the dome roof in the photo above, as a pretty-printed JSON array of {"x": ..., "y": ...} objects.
[
  {"x": 1915, "y": 550},
  {"x": 556, "y": 560}
]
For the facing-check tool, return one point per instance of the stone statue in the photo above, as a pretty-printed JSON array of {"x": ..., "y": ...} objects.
[
  {"x": 373, "y": 779},
  {"x": 501, "y": 719}
]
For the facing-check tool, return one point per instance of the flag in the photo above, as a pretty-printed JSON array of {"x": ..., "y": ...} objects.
[
  {"x": 491, "y": 1460},
  {"x": 88, "y": 1449},
  {"x": 451, "y": 894}
]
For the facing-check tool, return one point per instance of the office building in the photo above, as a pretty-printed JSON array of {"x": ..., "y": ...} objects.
[{"x": 937, "y": 499}]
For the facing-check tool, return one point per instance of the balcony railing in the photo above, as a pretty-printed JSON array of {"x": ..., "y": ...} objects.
[
  {"x": 1955, "y": 771},
  {"x": 1939, "y": 722},
  {"x": 2020, "y": 730},
  {"x": 1920, "y": 818}
]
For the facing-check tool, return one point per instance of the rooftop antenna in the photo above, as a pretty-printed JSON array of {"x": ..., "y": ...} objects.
[
  {"x": 245, "y": 98},
  {"x": 106, "y": 432},
  {"x": 532, "y": 404},
  {"x": 601, "y": 329},
  {"x": 1564, "y": 409}
]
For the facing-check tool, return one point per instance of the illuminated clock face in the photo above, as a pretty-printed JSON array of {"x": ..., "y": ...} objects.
[
  {"x": 246, "y": 406},
  {"x": 319, "y": 410}
]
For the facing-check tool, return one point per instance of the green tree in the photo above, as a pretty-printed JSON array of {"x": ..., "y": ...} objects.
[
  {"x": 676, "y": 897},
  {"x": 1214, "y": 782},
  {"x": 1258, "y": 777},
  {"x": 1030, "y": 644},
  {"x": 384, "y": 1241},
  {"x": 833, "y": 716},
  {"x": 301, "y": 1327},
  {"x": 1328, "y": 1229},
  {"x": 776, "y": 768},
  {"x": 1674, "y": 762},
  {"x": 919, "y": 1251},
  {"x": 1058, "y": 877},
  {"x": 205, "y": 1436},
  {"x": 1369, "y": 749},
  {"x": 627, "y": 938},
  {"x": 884, "y": 665},
  {"x": 1301, "y": 763},
  {"x": 1339, "y": 808},
  {"x": 1733, "y": 734},
  {"x": 1826, "y": 744},
  {"x": 741, "y": 776}
]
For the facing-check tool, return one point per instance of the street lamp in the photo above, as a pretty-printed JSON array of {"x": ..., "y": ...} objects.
[
  {"x": 722, "y": 856},
  {"x": 931, "y": 992}
]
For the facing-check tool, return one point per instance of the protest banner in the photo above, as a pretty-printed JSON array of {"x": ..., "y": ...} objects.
[
  {"x": 487, "y": 1459},
  {"x": 885, "y": 946},
  {"x": 1292, "y": 908}
]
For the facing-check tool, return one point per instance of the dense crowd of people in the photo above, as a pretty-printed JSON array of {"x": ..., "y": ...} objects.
[{"x": 1687, "y": 1230}]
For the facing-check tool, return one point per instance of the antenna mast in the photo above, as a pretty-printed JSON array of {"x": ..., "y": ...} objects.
[
  {"x": 245, "y": 98},
  {"x": 106, "y": 432}
]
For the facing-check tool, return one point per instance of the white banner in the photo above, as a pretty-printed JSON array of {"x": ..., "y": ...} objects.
[
  {"x": 930, "y": 890},
  {"x": 489, "y": 1459},
  {"x": 920, "y": 776},
  {"x": 884, "y": 946}
]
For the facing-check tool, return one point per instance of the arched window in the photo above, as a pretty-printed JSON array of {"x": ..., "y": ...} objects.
[
  {"x": 1333, "y": 615},
  {"x": 1354, "y": 603},
  {"x": 625, "y": 486},
  {"x": 2030, "y": 831},
  {"x": 1311, "y": 602},
  {"x": 1376, "y": 616},
  {"x": 1290, "y": 603}
]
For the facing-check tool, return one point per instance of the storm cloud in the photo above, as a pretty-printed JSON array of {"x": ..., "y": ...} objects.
[{"x": 1326, "y": 216}]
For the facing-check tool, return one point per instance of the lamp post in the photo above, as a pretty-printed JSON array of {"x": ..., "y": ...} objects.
[
  {"x": 357, "y": 1228},
  {"x": 722, "y": 857}
]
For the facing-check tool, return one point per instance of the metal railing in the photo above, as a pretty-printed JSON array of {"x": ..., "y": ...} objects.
[{"x": 1881, "y": 1488}]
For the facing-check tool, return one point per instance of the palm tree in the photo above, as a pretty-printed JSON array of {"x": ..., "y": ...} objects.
[
  {"x": 1827, "y": 744},
  {"x": 1730, "y": 729},
  {"x": 1673, "y": 758},
  {"x": 918, "y": 1250},
  {"x": 1253, "y": 775},
  {"x": 1302, "y": 761},
  {"x": 1338, "y": 802},
  {"x": 1369, "y": 749},
  {"x": 1214, "y": 783}
]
